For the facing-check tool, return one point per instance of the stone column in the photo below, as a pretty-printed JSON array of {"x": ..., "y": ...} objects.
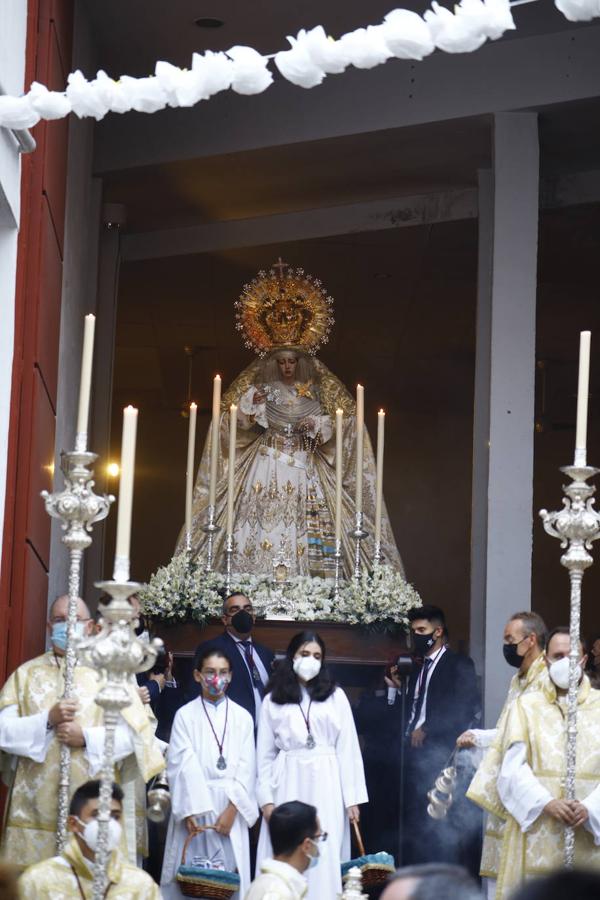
[{"x": 504, "y": 397}]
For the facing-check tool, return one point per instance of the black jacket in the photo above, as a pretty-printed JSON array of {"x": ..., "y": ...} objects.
[
  {"x": 453, "y": 702},
  {"x": 241, "y": 689}
]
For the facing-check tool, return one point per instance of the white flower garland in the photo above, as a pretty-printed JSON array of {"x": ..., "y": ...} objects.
[
  {"x": 183, "y": 591},
  {"x": 312, "y": 56}
]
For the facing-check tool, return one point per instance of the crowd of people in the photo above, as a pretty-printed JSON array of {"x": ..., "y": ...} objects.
[{"x": 269, "y": 765}]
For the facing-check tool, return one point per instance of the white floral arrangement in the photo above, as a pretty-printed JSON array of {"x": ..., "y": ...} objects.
[
  {"x": 379, "y": 600},
  {"x": 182, "y": 590}
]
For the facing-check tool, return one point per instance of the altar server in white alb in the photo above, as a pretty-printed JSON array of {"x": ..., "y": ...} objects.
[
  {"x": 211, "y": 767},
  {"x": 308, "y": 750}
]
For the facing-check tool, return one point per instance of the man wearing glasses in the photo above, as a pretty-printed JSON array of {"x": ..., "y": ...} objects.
[
  {"x": 295, "y": 836},
  {"x": 35, "y": 721},
  {"x": 251, "y": 662}
]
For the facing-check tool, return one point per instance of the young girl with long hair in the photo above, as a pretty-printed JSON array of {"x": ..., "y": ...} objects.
[{"x": 308, "y": 750}]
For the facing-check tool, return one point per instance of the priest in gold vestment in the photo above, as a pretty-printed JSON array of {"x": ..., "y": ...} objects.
[
  {"x": 34, "y": 721},
  {"x": 532, "y": 776},
  {"x": 69, "y": 875},
  {"x": 285, "y": 477},
  {"x": 523, "y": 647}
]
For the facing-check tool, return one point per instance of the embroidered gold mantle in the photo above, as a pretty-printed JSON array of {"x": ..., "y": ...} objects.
[{"x": 284, "y": 487}]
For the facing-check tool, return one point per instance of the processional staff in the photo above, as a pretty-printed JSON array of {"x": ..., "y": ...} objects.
[
  {"x": 116, "y": 651},
  {"x": 79, "y": 508},
  {"x": 576, "y": 526}
]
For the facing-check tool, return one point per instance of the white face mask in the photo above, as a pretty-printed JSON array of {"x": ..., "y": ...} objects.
[
  {"x": 307, "y": 667},
  {"x": 90, "y": 834},
  {"x": 559, "y": 673}
]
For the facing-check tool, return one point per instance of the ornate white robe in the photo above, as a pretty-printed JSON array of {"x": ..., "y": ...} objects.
[
  {"x": 330, "y": 777},
  {"x": 200, "y": 789},
  {"x": 483, "y": 787},
  {"x": 533, "y": 773},
  {"x": 25, "y": 700},
  {"x": 55, "y": 878}
]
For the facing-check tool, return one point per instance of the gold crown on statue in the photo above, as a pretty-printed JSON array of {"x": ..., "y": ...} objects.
[{"x": 284, "y": 307}]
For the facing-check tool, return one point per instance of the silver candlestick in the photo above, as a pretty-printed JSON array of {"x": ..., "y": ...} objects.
[
  {"x": 118, "y": 654},
  {"x": 228, "y": 559},
  {"x": 377, "y": 555},
  {"x": 359, "y": 534},
  {"x": 210, "y": 529},
  {"x": 576, "y": 526},
  {"x": 338, "y": 563},
  {"x": 79, "y": 508}
]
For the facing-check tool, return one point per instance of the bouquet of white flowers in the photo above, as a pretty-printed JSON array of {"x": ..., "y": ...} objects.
[{"x": 183, "y": 590}]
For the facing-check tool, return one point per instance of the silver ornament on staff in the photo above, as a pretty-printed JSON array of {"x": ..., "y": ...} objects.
[
  {"x": 78, "y": 507},
  {"x": 576, "y": 526},
  {"x": 211, "y": 530},
  {"x": 118, "y": 654},
  {"x": 358, "y": 534}
]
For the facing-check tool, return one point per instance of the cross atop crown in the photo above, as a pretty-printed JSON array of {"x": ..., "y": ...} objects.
[{"x": 281, "y": 266}]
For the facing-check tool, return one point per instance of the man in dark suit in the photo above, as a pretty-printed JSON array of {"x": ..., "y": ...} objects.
[
  {"x": 442, "y": 701},
  {"x": 251, "y": 663}
]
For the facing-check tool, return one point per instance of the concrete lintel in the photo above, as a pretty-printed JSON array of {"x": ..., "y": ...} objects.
[
  {"x": 373, "y": 215},
  {"x": 510, "y": 74}
]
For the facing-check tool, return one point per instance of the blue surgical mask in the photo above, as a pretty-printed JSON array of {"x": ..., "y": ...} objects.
[
  {"x": 59, "y": 634},
  {"x": 313, "y": 860}
]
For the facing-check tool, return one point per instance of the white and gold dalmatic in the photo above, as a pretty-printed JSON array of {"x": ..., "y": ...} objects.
[
  {"x": 284, "y": 494},
  {"x": 31, "y": 752},
  {"x": 70, "y": 877},
  {"x": 483, "y": 789},
  {"x": 533, "y": 773}
]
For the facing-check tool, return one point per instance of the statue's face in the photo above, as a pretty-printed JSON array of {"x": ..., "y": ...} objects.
[{"x": 287, "y": 363}]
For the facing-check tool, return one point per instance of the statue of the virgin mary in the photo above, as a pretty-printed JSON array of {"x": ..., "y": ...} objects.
[{"x": 284, "y": 498}]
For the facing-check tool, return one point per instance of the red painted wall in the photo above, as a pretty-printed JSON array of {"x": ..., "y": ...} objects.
[{"x": 26, "y": 536}]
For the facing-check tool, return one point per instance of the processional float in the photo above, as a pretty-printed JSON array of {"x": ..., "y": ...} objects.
[
  {"x": 288, "y": 307},
  {"x": 576, "y": 525}
]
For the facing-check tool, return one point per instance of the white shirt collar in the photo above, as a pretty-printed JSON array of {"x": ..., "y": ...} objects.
[{"x": 287, "y": 873}]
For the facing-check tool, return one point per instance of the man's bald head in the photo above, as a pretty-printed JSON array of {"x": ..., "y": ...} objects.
[
  {"x": 60, "y": 609},
  {"x": 431, "y": 881}
]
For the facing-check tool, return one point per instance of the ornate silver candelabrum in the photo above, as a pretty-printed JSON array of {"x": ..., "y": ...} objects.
[
  {"x": 576, "y": 525},
  {"x": 210, "y": 529},
  {"x": 228, "y": 559},
  {"x": 358, "y": 534},
  {"x": 338, "y": 565},
  {"x": 118, "y": 654},
  {"x": 78, "y": 507}
]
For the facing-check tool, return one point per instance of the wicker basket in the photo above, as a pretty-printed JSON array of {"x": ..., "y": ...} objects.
[
  {"x": 209, "y": 884},
  {"x": 374, "y": 871}
]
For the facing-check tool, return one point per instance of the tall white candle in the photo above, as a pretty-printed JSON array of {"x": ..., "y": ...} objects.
[
  {"x": 86, "y": 374},
  {"x": 189, "y": 475},
  {"x": 582, "y": 396},
  {"x": 123, "y": 541},
  {"x": 339, "y": 462},
  {"x": 214, "y": 442},
  {"x": 360, "y": 427},
  {"x": 379, "y": 475},
  {"x": 231, "y": 466}
]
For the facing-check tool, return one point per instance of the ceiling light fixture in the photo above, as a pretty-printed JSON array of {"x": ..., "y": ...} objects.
[{"x": 209, "y": 22}]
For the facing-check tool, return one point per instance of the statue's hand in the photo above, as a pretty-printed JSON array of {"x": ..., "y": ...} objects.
[{"x": 259, "y": 397}]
